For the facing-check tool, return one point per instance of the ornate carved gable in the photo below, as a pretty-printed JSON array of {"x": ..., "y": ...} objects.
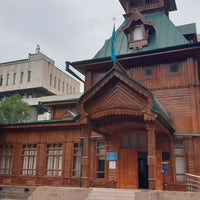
[
  {"x": 135, "y": 18},
  {"x": 117, "y": 99},
  {"x": 115, "y": 94}
]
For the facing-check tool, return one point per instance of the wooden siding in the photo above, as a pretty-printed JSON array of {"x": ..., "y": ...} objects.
[{"x": 66, "y": 137}]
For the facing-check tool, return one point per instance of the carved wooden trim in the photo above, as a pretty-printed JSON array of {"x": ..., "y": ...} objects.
[
  {"x": 149, "y": 115},
  {"x": 115, "y": 111}
]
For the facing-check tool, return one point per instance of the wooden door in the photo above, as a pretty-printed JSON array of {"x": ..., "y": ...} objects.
[
  {"x": 159, "y": 174},
  {"x": 128, "y": 169}
]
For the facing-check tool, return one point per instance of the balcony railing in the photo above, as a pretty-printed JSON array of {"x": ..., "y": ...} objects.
[
  {"x": 192, "y": 182},
  {"x": 148, "y": 6}
]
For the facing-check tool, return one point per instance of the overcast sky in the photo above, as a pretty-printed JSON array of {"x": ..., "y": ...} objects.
[{"x": 71, "y": 30}]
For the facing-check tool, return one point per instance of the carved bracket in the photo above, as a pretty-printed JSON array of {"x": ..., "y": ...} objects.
[{"x": 149, "y": 115}]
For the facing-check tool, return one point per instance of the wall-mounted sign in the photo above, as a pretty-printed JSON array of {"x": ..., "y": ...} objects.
[
  {"x": 112, "y": 156},
  {"x": 112, "y": 165}
]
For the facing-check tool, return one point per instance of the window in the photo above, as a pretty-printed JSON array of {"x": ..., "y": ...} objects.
[
  {"x": 7, "y": 79},
  {"x": 138, "y": 33},
  {"x": 151, "y": 1},
  {"x": 29, "y": 159},
  {"x": 76, "y": 159},
  {"x": 173, "y": 68},
  {"x": 148, "y": 72},
  {"x": 179, "y": 160},
  {"x": 138, "y": 140},
  {"x": 54, "y": 82},
  {"x": 50, "y": 80},
  {"x": 29, "y": 76},
  {"x": 100, "y": 154},
  {"x": 166, "y": 156},
  {"x": 63, "y": 87},
  {"x": 70, "y": 90},
  {"x": 1, "y": 80},
  {"x": 14, "y": 78},
  {"x": 21, "y": 77},
  {"x": 6, "y": 158},
  {"x": 67, "y": 89},
  {"x": 58, "y": 84},
  {"x": 54, "y": 160}
]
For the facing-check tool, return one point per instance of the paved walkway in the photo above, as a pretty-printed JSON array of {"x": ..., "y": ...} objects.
[{"x": 67, "y": 193}]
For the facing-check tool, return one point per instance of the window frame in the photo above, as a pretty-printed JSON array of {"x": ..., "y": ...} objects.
[
  {"x": 6, "y": 159},
  {"x": 14, "y": 78},
  {"x": 100, "y": 174},
  {"x": 50, "y": 79},
  {"x": 7, "y": 79},
  {"x": 171, "y": 65},
  {"x": 21, "y": 77},
  {"x": 134, "y": 37},
  {"x": 1, "y": 80},
  {"x": 54, "y": 160},
  {"x": 29, "y": 159},
  {"x": 179, "y": 155},
  {"x": 29, "y": 76},
  {"x": 55, "y": 82},
  {"x": 146, "y": 75},
  {"x": 137, "y": 139},
  {"x": 76, "y": 155}
]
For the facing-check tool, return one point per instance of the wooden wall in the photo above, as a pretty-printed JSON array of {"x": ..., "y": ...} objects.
[
  {"x": 41, "y": 137},
  {"x": 178, "y": 92}
]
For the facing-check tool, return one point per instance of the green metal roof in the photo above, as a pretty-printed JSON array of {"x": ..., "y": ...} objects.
[
  {"x": 187, "y": 29},
  {"x": 166, "y": 35}
]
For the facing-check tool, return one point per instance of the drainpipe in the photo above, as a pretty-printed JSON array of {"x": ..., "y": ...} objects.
[
  {"x": 68, "y": 64},
  {"x": 81, "y": 171}
]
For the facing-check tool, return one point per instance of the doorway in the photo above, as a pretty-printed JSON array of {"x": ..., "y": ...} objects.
[
  {"x": 142, "y": 170},
  {"x": 128, "y": 169}
]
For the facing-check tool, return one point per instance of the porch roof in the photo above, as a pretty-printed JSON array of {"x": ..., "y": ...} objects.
[{"x": 156, "y": 107}]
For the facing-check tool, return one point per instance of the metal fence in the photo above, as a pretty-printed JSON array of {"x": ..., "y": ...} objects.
[{"x": 193, "y": 182}]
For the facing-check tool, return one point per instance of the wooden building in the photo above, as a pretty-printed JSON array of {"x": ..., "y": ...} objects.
[{"x": 135, "y": 126}]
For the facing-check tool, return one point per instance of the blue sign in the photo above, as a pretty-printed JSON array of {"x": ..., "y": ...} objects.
[
  {"x": 165, "y": 168},
  {"x": 112, "y": 156}
]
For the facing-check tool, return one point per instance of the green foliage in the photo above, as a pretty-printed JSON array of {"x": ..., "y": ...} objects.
[{"x": 13, "y": 110}]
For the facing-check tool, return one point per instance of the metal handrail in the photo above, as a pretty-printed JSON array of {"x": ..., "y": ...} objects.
[{"x": 193, "y": 182}]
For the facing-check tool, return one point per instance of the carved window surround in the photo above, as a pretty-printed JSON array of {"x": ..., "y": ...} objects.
[
  {"x": 135, "y": 43},
  {"x": 137, "y": 30}
]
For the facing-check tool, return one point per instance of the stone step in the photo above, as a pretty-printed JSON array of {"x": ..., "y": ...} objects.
[
  {"x": 111, "y": 194},
  {"x": 19, "y": 193}
]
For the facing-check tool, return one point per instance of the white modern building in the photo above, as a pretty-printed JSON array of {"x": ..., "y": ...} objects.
[{"x": 35, "y": 76}]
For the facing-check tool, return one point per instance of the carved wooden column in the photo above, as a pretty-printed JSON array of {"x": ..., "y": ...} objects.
[
  {"x": 85, "y": 157},
  {"x": 151, "y": 155}
]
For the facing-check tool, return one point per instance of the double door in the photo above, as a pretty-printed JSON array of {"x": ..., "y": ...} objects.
[{"x": 133, "y": 169}]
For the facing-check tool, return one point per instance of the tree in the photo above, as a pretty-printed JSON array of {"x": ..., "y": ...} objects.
[{"x": 13, "y": 110}]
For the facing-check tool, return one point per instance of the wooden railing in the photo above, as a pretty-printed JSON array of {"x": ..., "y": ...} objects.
[
  {"x": 149, "y": 6},
  {"x": 192, "y": 182}
]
